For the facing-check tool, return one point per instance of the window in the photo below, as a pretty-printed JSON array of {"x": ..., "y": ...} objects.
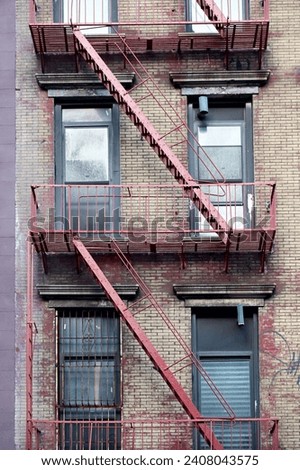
[
  {"x": 228, "y": 352},
  {"x": 87, "y": 161},
  {"x": 224, "y": 155},
  {"x": 86, "y": 138},
  {"x": 89, "y": 378},
  {"x": 233, "y": 9},
  {"x": 87, "y": 11}
]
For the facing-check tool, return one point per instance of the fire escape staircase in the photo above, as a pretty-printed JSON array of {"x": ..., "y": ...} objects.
[
  {"x": 150, "y": 134},
  {"x": 160, "y": 365}
]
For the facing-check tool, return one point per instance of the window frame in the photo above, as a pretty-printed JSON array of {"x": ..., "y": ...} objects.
[
  {"x": 87, "y": 411},
  {"x": 113, "y": 144},
  {"x": 88, "y": 226},
  {"x": 69, "y": 375},
  {"x": 223, "y": 111},
  {"x": 228, "y": 105},
  {"x": 242, "y": 345}
]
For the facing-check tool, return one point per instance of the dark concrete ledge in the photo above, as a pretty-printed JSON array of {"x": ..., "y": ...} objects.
[
  {"x": 225, "y": 291},
  {"x": 92, "y": 292},
  {"x": 220, "y": 78},
  {"x": 51, "y": 81}
]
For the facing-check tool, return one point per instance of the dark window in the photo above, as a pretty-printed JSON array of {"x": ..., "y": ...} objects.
[
  {"x": 232, "y": 9},
  {"x": 89, "y": 378},
  {"x": 87, "y": 162},
  {"x": 228, "y": 353},
  {"x": 87, "y": 11},
  {"x": 224, "y": 155}
]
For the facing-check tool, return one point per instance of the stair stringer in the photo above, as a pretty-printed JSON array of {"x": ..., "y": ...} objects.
[
  {"x": 155, "y": 140},
  {"x": 158, "y": 362}
]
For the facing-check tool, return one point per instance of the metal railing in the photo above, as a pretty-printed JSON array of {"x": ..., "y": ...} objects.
[
  {"x": 221, "y": 25},
  {"x": 148, "y": 212},
  {"x": 240, "y": 433}
]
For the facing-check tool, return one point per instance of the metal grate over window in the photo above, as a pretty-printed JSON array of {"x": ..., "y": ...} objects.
[{"x": 89, "y": 378}]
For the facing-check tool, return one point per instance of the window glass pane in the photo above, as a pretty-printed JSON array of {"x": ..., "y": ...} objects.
[
  {"x": 93, "y": 336},
  {"x": 85, "y": 11},
  {"x": 89, "y": 382},
  {"x": 86, "y": 114},
  {"x": 86, "y": 154},
  {"x": 223, "y": 156},
  {"x": 234, "y": 216},
  {"x": 228, "y": 161},
  {"x": 233, "y": 9},
  {"x": 219, "y": 135},
  {"x": 224, "y": 194},
  {"x": 88, "y": 360}
]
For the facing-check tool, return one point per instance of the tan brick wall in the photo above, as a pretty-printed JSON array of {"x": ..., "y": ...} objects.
[{"x": 276, "y": 153}]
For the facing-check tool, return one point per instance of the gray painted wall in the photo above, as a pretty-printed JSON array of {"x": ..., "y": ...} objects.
[{"x": 7, "y": 221}]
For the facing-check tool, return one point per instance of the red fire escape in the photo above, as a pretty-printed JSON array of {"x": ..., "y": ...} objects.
[{"x": 69, "y": 39}]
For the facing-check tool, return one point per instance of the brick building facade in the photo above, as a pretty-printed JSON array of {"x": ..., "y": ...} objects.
[{"x": 114, "y": 260}]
